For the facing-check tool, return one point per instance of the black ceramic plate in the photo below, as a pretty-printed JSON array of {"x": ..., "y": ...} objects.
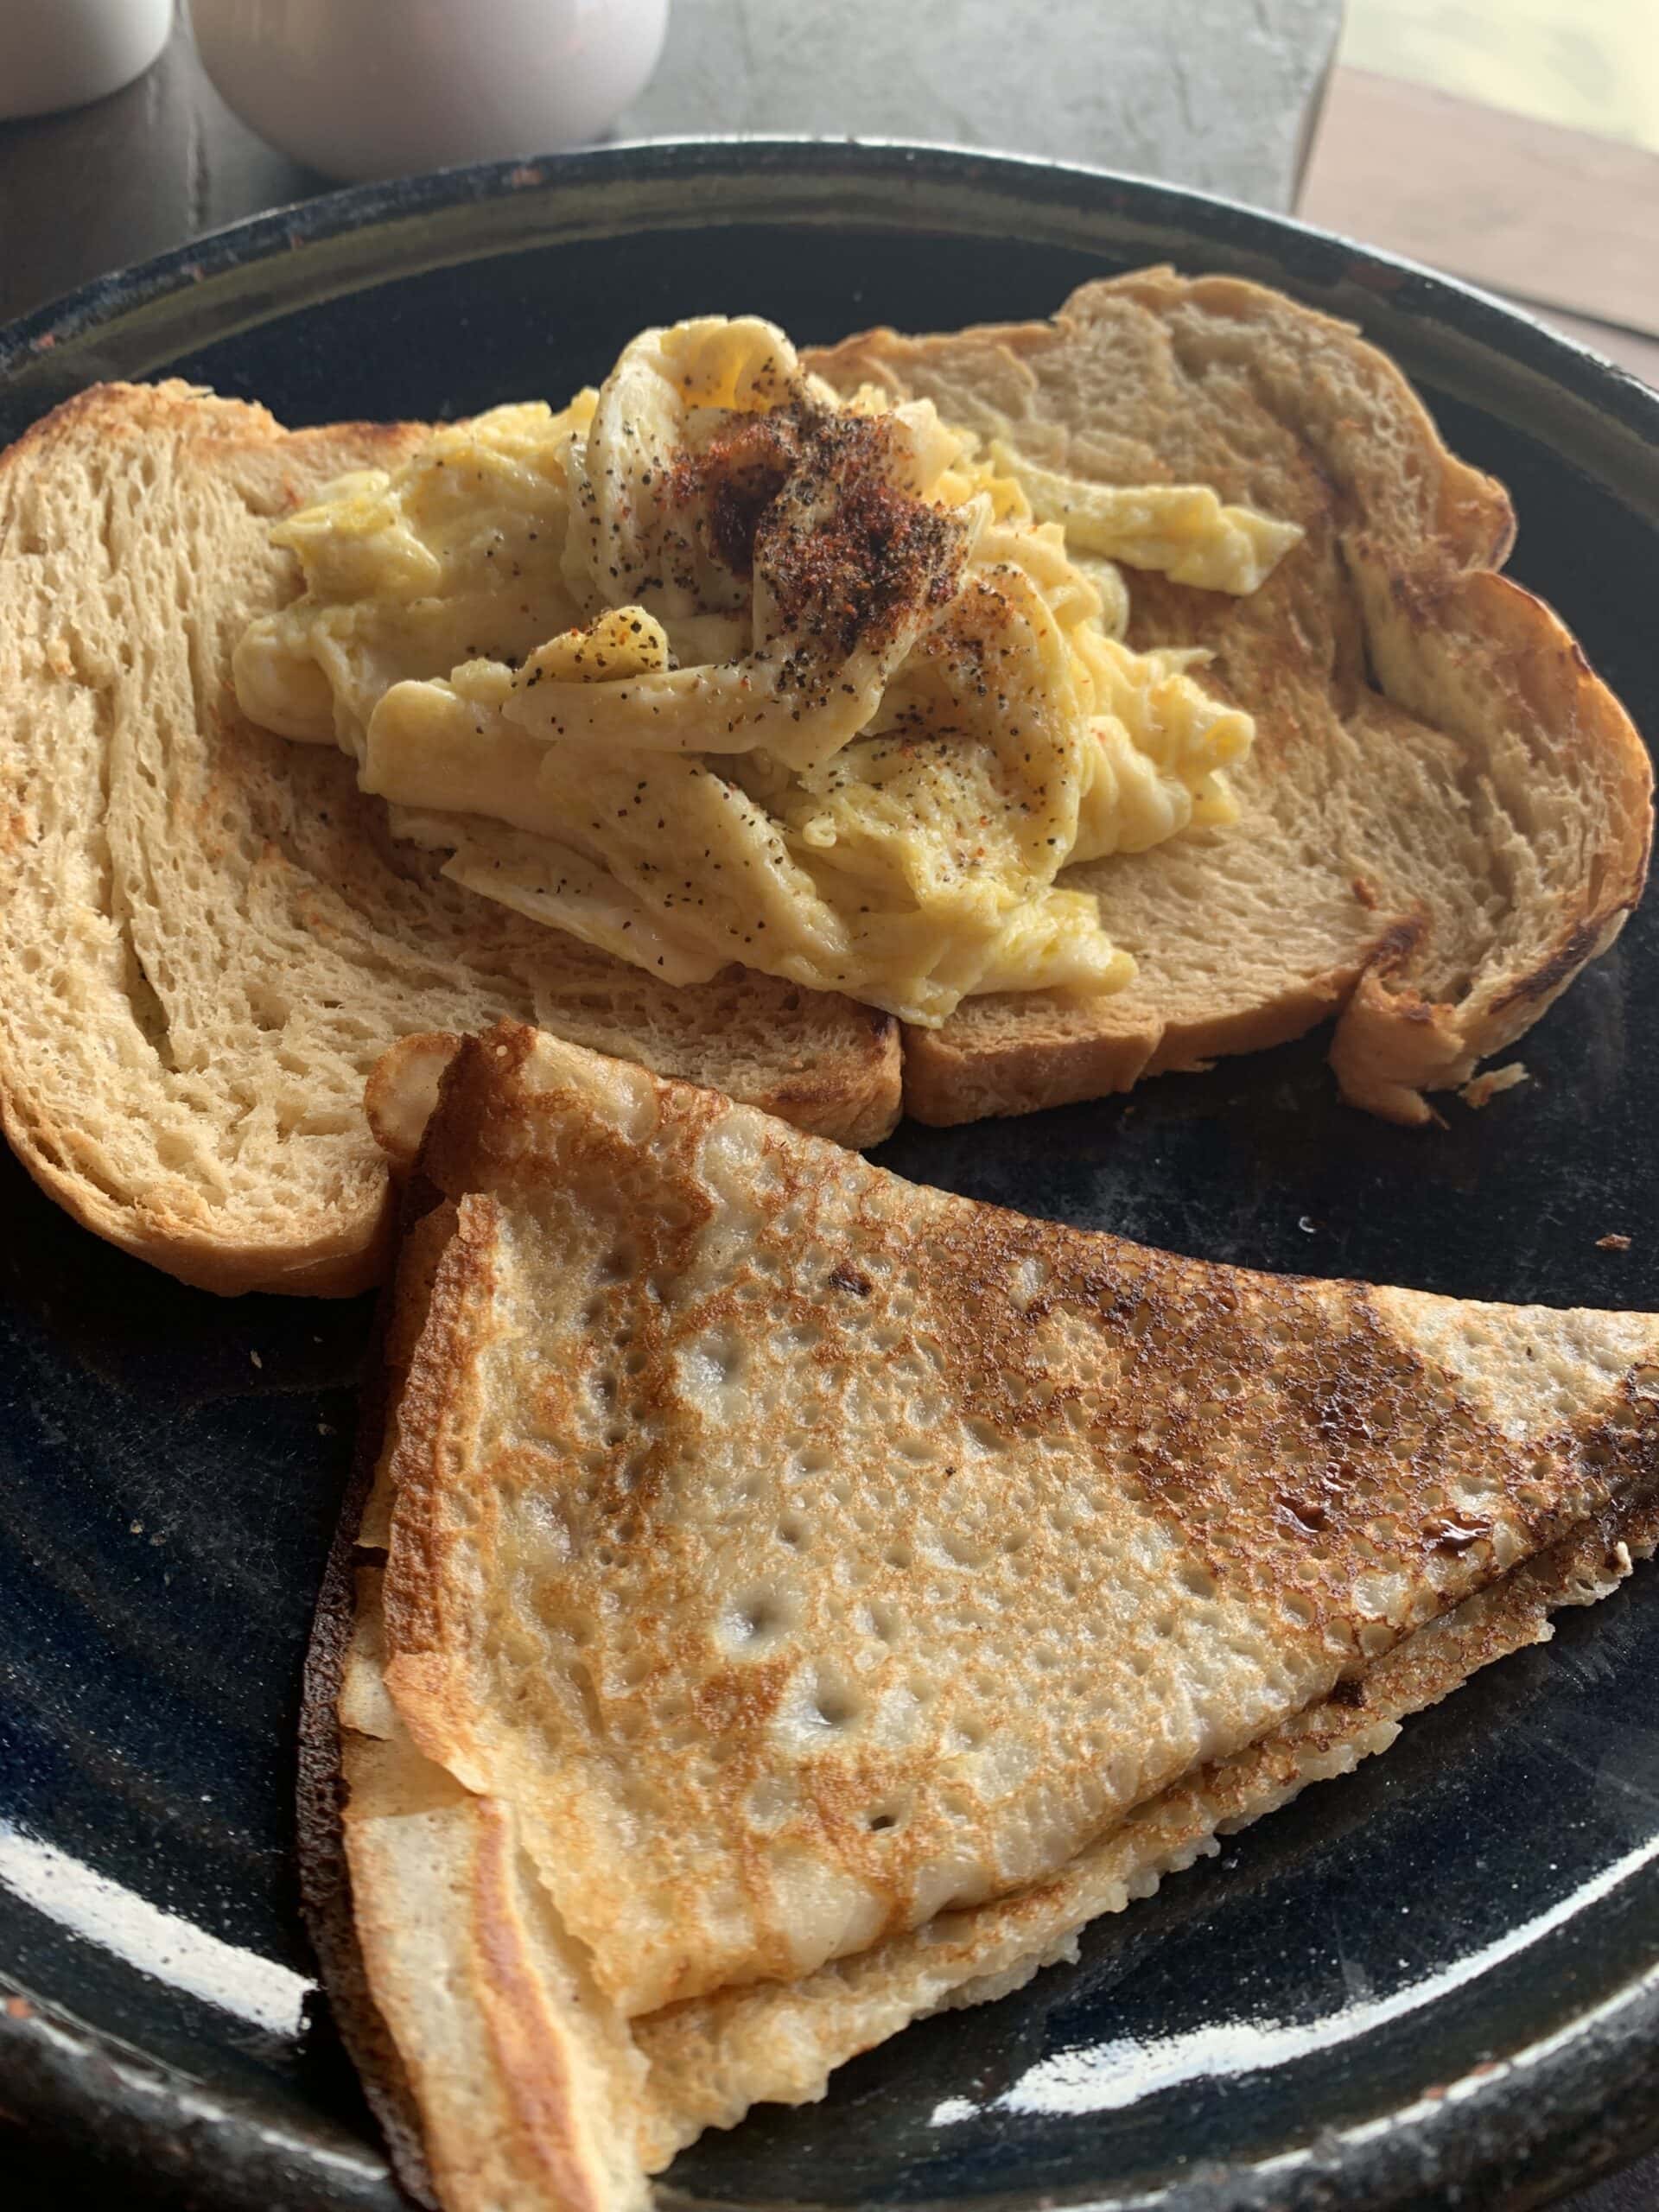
[{"x": 1436, "y": 1981}]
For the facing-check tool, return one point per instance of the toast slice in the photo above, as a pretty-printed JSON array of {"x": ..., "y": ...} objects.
[
  {"x": 209, "y": 939},
  {"x": 1446, "y": 813},
  {"x": 790, "y": 1600}
]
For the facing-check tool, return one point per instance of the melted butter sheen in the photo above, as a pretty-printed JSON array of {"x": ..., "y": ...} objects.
[{"x": 711, "y": 666}]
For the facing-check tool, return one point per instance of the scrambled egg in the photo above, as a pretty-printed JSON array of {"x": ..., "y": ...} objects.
[{"x": 713, "y": 666}]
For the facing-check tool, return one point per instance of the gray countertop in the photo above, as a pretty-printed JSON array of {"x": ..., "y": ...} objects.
[{"x": 1144, "y": 85}]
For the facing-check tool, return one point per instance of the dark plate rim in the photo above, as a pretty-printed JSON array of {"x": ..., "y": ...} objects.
[
  {"x": 1550, "y": 2118},
  {"x": 1613, "y": 390}
]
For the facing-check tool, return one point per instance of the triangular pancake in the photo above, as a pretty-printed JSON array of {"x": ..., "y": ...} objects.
[{"x": 740, "y": 1686}]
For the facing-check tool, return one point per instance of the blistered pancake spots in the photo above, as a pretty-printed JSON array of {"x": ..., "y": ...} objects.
[{"x": 905, "y": 1544}]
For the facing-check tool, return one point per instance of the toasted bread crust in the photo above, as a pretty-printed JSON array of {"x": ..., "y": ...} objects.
[
  {"x": 1392, "y": 1043},
  {"x": 952, "y": 1077}
]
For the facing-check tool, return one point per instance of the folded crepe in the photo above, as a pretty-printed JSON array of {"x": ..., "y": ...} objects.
[{"x": 788, "y": 1600}]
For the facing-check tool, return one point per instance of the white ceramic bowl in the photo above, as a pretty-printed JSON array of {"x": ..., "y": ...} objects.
[
  {"x": 373, "y": 88},
  {"x": 56, "y": 53}
]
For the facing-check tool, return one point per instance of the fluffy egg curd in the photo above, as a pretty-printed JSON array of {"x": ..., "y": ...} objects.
[{"x": 713, "y": 665}]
